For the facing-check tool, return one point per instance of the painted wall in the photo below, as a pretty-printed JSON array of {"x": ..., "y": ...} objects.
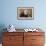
[{"x": 8, "y": 13}]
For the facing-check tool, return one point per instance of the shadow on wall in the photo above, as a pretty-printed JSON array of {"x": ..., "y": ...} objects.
[{"x": 2, "y": 26}]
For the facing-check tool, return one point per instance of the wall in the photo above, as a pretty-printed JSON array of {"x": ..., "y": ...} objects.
[{"x": 8, "y": 13}]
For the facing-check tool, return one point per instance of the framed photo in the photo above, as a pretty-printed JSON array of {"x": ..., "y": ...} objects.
[{"x": 25, "y": 13}]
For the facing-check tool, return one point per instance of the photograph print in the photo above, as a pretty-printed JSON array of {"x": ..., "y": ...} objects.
[{"x": 25, "y": 13}]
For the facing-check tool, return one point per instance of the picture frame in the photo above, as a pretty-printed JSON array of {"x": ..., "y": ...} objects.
[{"x": 25, "y": 13}]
